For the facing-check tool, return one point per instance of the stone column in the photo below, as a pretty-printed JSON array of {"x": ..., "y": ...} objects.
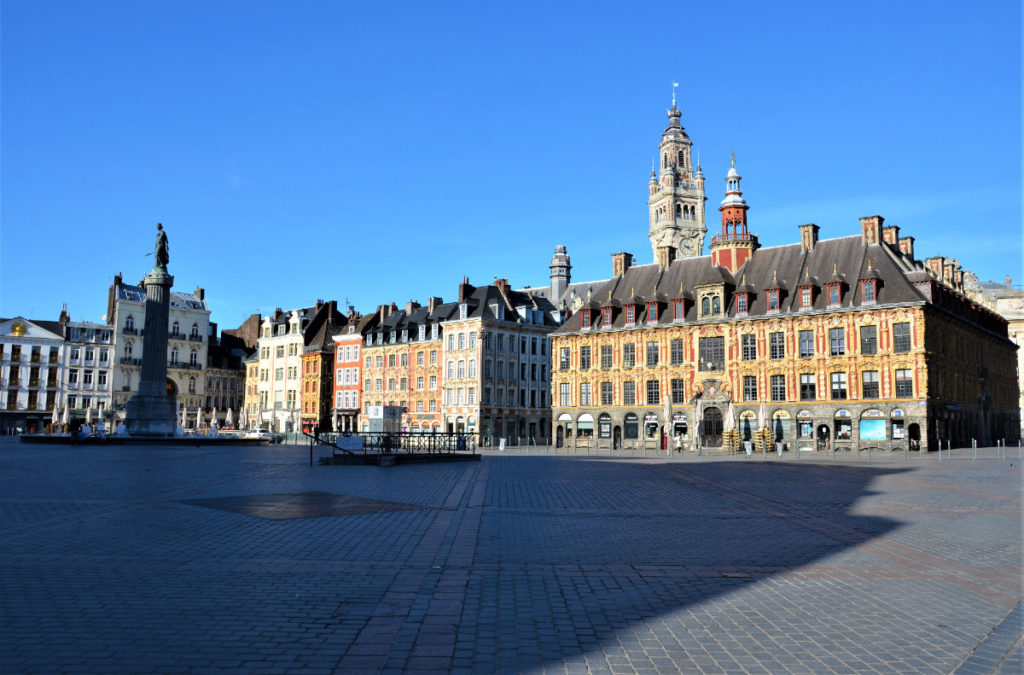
[{"x": 151, "y": 411}]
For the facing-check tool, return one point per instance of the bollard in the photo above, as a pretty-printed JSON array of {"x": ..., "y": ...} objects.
[{"x": 974, "y": 447}]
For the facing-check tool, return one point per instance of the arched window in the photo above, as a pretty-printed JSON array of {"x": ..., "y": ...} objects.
[
  {"x": 174, "y": 355},
  {"x": 462, "y": 369},
  {"x": 472, "y": 367},
  {"x": 195, "y": 330},
  {"x": 716, "y": 305},
  {"x": 191, "y": 385},
  {"x": 129, "y": 323},
  {"x": 705, "y": 306},
  {"x": 193, "y": 358},
  {"x": 175, "y": 329},
  {"x": 679, "y": 209},
  {"x": 664, "y": 160},
  {"x": 128, "y": 350},
  {"x": 681, "y": 156},
  {"x": 451, "y": 369}
]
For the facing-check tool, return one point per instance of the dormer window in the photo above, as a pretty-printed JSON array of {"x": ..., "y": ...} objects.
[
  {"x": 806, "y": 297},
  {"x": 463, "y": 310},
  {"x": 711, "y": 305},
  {"x": 835, "y": 295},
  {"x": 433, "y": 332},
  {"x": 630, "y": 315},
  {"x": 652, "y": 312},
  {"x": 422, "y": 332},
  {"x": 741, "y": 303},
  {"x": 867, "y": 290},
  {"x": 678, "y": 310},
  {"x": 606, "y": 316},
  {"x": 773, "y": 300},
  {"x": 716, "y": 305},
  {"x": 585, "y": 318}
]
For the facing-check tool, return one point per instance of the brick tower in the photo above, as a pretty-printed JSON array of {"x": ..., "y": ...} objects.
[{"x": 735, "y": 244}]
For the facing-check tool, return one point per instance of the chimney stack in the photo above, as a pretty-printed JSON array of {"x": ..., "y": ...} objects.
[
  {"x": 200, "y": 293},
  {"x": 808, "y": 237},
  {"x": 907, "y": 246},
  {"x": 871, "y": 229},
  {"x": 433, "y": 303},
  {"x": 410, "y": 306},
  {"x": 935, "y": 265},
  {"x": 465, "y": 289},
  {"x": 620, "y": 263},
  {"x": 891, "y": 234},
  {"x": 64, "y": 317},
  {"x": 665, "y": 255}
]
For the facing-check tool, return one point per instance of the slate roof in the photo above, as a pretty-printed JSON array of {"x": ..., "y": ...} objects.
[
  {"x": 131, "y": 293},
  {"x": 785, "y": 267}
]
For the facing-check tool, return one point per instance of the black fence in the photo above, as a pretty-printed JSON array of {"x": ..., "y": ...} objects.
[{"x": 403, "y": 442}]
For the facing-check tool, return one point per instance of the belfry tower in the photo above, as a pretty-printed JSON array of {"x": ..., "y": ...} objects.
[
  {"x": 734, "y": 246},
  {"x": 677, "y": 193}
]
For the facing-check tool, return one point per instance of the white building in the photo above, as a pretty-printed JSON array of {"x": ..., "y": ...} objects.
[
  {"x": 30, "y": 357},
  {"x": 187, "y": 344},
  {"x": 279, "y": 378},
  {"x": 87, "y": 363}
]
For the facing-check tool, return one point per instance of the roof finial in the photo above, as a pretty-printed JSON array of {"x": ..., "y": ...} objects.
[
  {"x": 632, "y": 292},
  {"x": 680, "y": 286},
  {"x": 674, "y": 85},
  {"x": 869, "y": 264},
  {"x": 834, "y": 269},
  {"x": 732, "y": 158},
  {"x": 775, "y": 275}
]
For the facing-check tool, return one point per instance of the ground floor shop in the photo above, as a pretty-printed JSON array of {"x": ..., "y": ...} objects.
[{"x": 706, "y": 424}]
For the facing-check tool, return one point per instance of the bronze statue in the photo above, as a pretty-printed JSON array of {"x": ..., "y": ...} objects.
[{"x": 161, "y": 251}]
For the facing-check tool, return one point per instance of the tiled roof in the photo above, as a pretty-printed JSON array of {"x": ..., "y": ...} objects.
[{"x": 785, "y": 267}]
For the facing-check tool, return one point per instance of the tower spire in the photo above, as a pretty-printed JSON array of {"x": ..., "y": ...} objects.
[{"x": 674, "y": 85}]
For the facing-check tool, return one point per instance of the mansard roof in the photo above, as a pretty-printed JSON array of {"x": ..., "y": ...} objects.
[
  {"x": 783, "y": 267},
  {"x": 186, "y": 301}
]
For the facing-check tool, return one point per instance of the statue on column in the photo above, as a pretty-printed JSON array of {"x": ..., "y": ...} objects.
[{"x": 161, "y": 250}]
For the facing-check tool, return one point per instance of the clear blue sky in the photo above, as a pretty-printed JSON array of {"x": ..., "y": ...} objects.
[{"x": 381, "y": 151}]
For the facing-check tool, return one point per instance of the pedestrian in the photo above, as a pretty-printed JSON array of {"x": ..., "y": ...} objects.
[{"x": 679, "y": 443}]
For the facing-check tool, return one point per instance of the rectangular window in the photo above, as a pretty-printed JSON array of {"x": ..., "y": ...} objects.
[
  {"x": 652, "y": 312},
  {"x": 869, "y": 291},
  {"x": 606, "y": 356},
  {"x": 563, "y": 358},
  {"x": 585, "y": 318},
  {"x": 808, "y": 387},
  {"x": 563, "y": 394},
  {"x": 901, "y": 338},
  {"x": 833, "y": 294},
  {"x": 806, "y": 343},
  {"x": 653, "y": 392},
  {"x": 741, "y": 303},
  {"x": 652, "y": 354},
  {"x": 868, "y": 340},
  {"x": 606, "y": 315},
  {"x": 837, "y": 341},
  {"x": 749, "y": 388},
  {"x": 712, "y": 353},
  {"x": 630, "y": 314},
  {"x": 748, "y": 343},
  {"x": 773, "y": 301},
  {"x": 838, "y": 386},
  {"x": 678, "y": 391},
  {"x": 584, "y": 393},
  {"x": 676, "y": 352},
  {"x": 629, "y": 393},
  {"x": 677, "y": 310},
  {"x": 776, "y": 345},
  {"x": 584, "y": 358},
  {"x": 419, "y": 383},
  {"x": 805, "y": 297},
  {"x": 433, "y": 381},
  {"x": 778, "y": 386},
  {"x": 606, "y": 393},
  {"x": 628, "y": 355},
  {"x": 904, "y": 384},
  {"x": 869, "y": 386}
]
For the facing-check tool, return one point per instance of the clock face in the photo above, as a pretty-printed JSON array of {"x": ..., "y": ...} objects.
[
  {"x": 688, "y": 247},
  {"x": 18, "y": 329}
]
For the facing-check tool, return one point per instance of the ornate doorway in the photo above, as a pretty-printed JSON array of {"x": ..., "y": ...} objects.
[{"x": 712, "y": 427}]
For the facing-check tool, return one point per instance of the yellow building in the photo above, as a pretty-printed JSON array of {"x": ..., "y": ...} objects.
[{"x": 842, "y": 343}]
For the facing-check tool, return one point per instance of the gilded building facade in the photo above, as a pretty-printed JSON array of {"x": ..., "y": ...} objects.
[{"x": 840, "y": 343}]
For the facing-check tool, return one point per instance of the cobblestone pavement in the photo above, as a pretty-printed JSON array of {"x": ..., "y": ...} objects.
[{"x": 248, "y": 560}]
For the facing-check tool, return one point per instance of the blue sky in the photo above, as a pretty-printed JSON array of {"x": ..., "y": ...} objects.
[{"x": 304, "y": 150}]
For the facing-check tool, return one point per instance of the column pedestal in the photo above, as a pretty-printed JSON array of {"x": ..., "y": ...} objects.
[{"x": 151, "y": 412}]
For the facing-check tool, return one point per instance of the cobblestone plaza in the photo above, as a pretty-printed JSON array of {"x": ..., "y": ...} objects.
[{"x": 248, "y": 560}]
